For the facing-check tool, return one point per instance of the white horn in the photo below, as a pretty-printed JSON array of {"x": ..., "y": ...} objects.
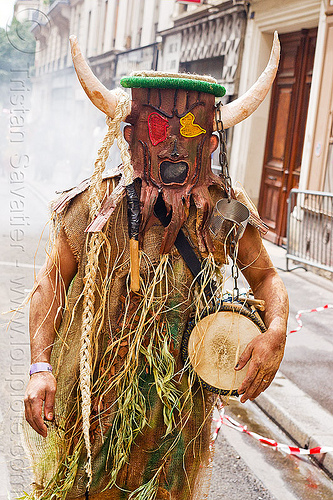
[
  {"x": 95, "y": 90},
  {"x": 236, "y": 111}
]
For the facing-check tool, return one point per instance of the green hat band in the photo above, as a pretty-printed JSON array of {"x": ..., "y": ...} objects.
[{"x": 172, "y": 83}]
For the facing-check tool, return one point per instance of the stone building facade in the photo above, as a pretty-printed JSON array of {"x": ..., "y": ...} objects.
[
  {"x": 286, "y": 143},
  {"x": 115, "y": 36},
  {"x": 275, "y": 149}
]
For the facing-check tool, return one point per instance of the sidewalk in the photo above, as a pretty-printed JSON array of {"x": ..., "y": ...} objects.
[{"x": 300, "y": 398}]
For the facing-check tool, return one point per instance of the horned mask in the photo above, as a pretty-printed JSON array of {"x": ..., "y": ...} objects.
[
  {"x": 171, "y": 142},
  {"x": 171, "y": 139}
]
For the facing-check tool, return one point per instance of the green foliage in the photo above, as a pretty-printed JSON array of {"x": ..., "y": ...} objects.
[{"x": 17, "y": 48}]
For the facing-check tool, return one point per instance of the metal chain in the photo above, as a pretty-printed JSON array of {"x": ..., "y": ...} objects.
[
  {"x": 223, "y": 158},
  {"x": 234, "y": 269}
]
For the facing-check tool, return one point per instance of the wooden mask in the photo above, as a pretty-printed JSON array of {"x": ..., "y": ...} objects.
[{"x": 171, "y": 143}]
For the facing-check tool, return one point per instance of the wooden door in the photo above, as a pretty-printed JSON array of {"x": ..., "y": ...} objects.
[{"x": 286, "y": 128}]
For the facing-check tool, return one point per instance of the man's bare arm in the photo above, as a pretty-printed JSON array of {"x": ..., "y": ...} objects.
[
  {"x": 46, "y": 308},
  {"x": 265, "y": 352}
]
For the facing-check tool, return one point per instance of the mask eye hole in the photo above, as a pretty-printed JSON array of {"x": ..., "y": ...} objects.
[{"x": 157, "y": 128}]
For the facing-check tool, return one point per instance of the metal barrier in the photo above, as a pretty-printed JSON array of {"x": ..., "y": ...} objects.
[{"x": 310, "y": 228}]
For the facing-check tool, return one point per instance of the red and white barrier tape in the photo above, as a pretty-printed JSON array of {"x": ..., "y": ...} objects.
[
  {"x": 290, "y": 450},
  {"x": 299, "y": 314},
  {"x": 219, "y": 422}
]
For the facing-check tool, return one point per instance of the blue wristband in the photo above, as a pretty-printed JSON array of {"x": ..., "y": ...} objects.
[{"x": 40, "y": 367}]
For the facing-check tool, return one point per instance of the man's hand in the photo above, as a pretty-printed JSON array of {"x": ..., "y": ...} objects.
[
  {"x": 47, "y": 304},
  {"x": 264, "y": 353},
  {"x": 41, "y": 389}
]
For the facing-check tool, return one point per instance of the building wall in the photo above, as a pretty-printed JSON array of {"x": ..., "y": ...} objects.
[
  {"x": 25, "y": 9},
  {"x": 101, "y": 26},
  {"x": 266, "y": 16},
  {"x": 121, "y": 26},
  {"x": 67, "y": 129},
  {"x": 318, "y": 175}
]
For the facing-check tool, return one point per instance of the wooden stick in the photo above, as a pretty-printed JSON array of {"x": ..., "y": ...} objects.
[
  {"x": 259, "y": 304},
  {"x": 135, "y": 265}
]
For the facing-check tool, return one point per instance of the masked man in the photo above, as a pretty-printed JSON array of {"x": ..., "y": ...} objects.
[{"x": 122, "y": 415}]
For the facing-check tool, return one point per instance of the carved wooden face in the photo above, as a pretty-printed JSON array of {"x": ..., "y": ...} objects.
[{"x": 171, "y": 143}]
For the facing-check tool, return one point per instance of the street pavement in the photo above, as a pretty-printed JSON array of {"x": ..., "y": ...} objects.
[
  {"x": 300, "y": 399},
  {"x": 243, "y": 469}
]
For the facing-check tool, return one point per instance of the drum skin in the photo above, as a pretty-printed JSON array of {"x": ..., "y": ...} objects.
[{"x": 215, "y": 343}]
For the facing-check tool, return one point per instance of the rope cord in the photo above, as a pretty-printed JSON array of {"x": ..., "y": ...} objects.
[
  {"x": 165, "y": 74},
  {"x": 94, "y": 246},
  {"x": 165, "y": 80}
]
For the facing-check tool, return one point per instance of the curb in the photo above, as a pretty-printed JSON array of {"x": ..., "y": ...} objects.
[{"x": 300, "y": 417}]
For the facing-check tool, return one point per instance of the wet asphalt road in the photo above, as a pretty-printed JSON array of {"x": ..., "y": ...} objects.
[{"x": 308, "y": 356}]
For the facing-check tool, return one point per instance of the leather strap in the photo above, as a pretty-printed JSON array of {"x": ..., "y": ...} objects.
[{"x": 181, "y": 243}]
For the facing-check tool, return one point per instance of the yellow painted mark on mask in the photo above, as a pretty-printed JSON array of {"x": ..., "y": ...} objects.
[{"x": 190, "y": 129}]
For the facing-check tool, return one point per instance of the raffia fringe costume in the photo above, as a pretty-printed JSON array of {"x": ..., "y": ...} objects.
[
  {"x": 150, "y": 421},
  {"x": 148, "y": 432}
]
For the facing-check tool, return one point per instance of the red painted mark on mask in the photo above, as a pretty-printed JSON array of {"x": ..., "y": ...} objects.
[{"x": 157, "y": 127}]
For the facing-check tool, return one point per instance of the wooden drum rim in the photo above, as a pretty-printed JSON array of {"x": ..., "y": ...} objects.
[{"x": 237, "y": 308}]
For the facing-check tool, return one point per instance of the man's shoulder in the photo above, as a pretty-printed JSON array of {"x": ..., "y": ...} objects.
[
  {"x": 67, "y": 196},
  {"x": 71, "y": 210}
]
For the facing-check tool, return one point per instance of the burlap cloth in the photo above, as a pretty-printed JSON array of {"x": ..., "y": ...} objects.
[{"x": 184, "y": 454}]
